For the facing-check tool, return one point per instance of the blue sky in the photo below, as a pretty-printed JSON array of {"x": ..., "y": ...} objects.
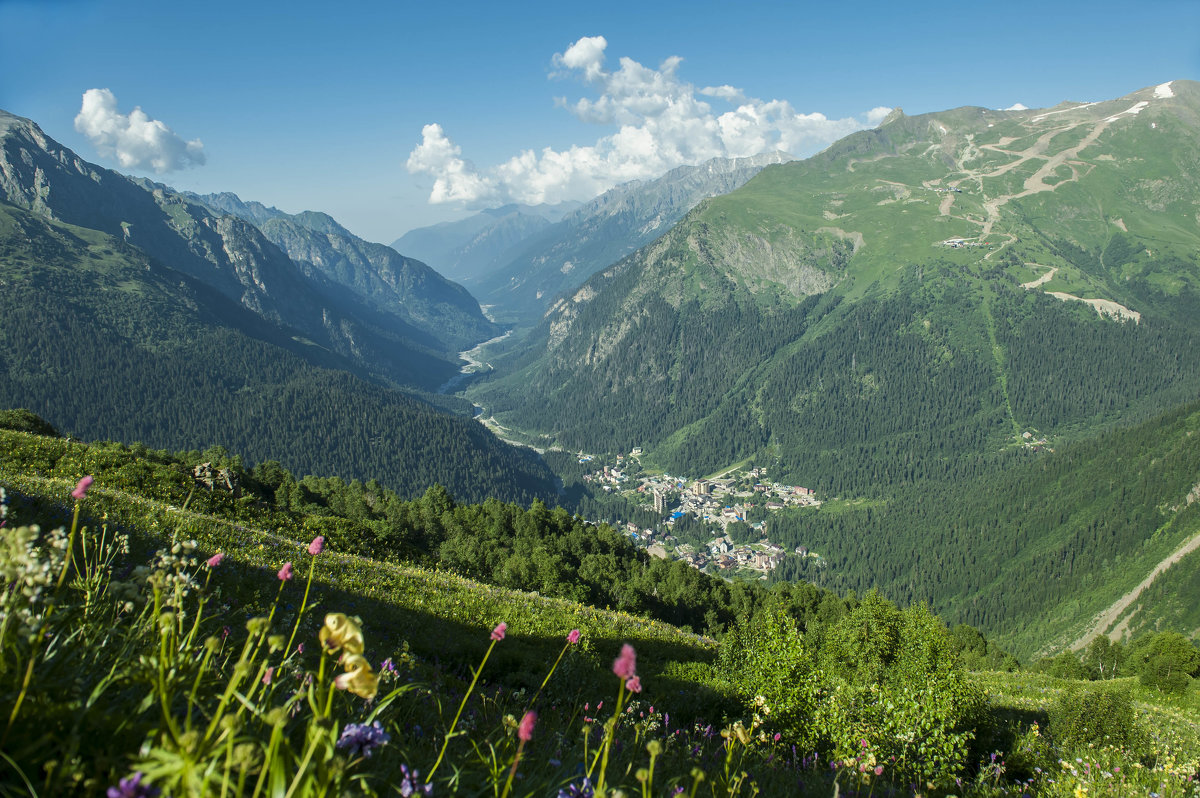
[{"x": 331, "y": 106}]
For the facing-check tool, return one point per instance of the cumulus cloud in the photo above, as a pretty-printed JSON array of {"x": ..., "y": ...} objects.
[
  {"x": 134, "y": 140},
  {"x": 1016, "y": 107},
  {"x": 876, "y": 115},
  {"x": 657, "y": 121},
  {"x": 456, "y": 180}
]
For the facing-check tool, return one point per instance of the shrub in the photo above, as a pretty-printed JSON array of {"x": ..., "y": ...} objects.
[
  {"x": 23, "y": 420},
  {"x": 1086, "y": 715},
  {"x": 1168, "y": 662}
]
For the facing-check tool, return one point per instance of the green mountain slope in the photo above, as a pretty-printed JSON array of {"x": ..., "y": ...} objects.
[
  {"x": 105, "y": 342},
  {"x": 1032, "y": 553},
  {"x": 902, "y": 306}
]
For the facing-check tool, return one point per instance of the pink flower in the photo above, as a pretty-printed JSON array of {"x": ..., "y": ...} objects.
[
  {"x": 499, "y": 631},
  {"x": 879, "y": 770},
  {"x": 216, "y": 560},
  {"x": 573, "y": 637},
  {"x": 269, "y": 675},
  {"x": 634, "y": 685},
  {"x": 625, "y": 666},
  {"x": 285, "y": 573},
  {"x": 317, "y": 545},
  {"x": 525, "y": 730},
  {"x": 82, "y": 488}
]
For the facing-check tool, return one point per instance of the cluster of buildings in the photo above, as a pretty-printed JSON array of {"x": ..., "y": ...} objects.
[
  {"x": 716, "y": 502},
  {"x": 724, "y": 555}
]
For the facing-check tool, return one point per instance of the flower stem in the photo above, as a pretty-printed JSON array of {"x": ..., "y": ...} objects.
[
  {"x": 62, "y": 575},
  {"x": 457, "y": 715},
  {"x": 610, "y": 730},
  {"x": 303, "y": 605},
  {"x": 513, "y": 770},
  {"x": 546, "y": 681}
]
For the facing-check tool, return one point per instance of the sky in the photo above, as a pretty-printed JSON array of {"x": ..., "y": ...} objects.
[{"x": 396, "y": 115}]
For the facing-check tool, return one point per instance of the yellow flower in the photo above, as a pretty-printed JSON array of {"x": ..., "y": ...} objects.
[
  {"x": 358, "y": 678},
  {"x": 341, "y": 631}
]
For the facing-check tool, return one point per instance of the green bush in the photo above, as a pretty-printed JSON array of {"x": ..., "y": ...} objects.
[
  {"x": 1099, "y": 716},
  {"x": 23, "y": 420},
  {"x": 898, "y": 693},
  {"x": 1163, "y": 672},
  {"x": 1167, "y": 661},
  {"x": 765, "y": 657}
]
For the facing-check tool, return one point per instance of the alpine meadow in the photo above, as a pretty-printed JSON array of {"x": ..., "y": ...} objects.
[{"x": 750, "y": 452}]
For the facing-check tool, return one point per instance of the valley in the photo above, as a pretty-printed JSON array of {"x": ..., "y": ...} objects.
[
  {"x": 667, "y": 400},
  {"x": 901, "y": 435}
]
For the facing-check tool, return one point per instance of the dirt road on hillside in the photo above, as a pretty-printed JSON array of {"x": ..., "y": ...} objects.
[{"x": 1110, "y": 616}]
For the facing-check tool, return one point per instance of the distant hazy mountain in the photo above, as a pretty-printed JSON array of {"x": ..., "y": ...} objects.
[
  {"x": 607, "y": 229},
  {"x": 470, "y": 249},
  {"x": 516, "y": 260},
  {"x": 389, "y": 282}
]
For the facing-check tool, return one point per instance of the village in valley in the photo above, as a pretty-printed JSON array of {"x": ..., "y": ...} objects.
[{"x": 731, "y": 509}]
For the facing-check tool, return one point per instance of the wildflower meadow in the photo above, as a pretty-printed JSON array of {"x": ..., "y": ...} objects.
[{"x": 150, "y": 647}]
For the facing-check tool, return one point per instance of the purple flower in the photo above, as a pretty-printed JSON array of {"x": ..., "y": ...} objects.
[
  {"x": 499, "y": 632},
  {"x": 583, "y": 789},
  {"x": 411, "y": 783},
  {"x": 625, "y": 666},
  {"x": 285, "y": 573},
  {"x": 359, "y": 739},
  {"x": 80, "y": 491},
  {"x": 216, "y": 560},
  {"x": 573, "y": 637},
  {"x": 317, "y": 545},
  {"x": 131, "y": 787}
]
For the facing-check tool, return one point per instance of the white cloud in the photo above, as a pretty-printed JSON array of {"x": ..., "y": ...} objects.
[
  {"x": 456, "y": 179},
  {"x": 876, "y": 115},
  {"x": 658, "y": 122},
  {"x": 587, "y": 55},
  {"x": 134, "y": 140},
  {"x": 1017, "y": 107}
]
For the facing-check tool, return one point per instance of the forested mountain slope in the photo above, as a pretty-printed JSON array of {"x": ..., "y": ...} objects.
[
  {"x": 1030, "y": 553},
  {"x": 105, "y": 342},
  {"x": 225, "y": 252}
]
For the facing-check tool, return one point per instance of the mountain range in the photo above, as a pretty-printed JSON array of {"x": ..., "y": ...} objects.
[
  {"x": 910, "y": 300},
  {"x": 134, "y": 312},
  {"x": 910, "y": 322}
]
